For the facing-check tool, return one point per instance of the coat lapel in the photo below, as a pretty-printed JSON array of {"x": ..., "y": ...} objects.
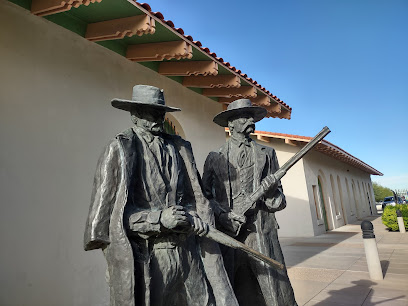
[
  {"x": 222, "y": 169},
  {"x": 153, "y": 179}
]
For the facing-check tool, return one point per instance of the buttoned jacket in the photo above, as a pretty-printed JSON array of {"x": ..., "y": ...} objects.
[{"x": 217, "y": 179}]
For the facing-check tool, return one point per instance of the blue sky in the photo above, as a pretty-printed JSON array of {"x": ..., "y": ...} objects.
[{"x": 343, "y": 64}]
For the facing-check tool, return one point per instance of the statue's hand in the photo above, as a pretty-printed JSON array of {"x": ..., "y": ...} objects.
[
  {"x": 270, "y": 183},
  {"x": 198, "y": 226},
  {"x": 174, "y": 216},
  {"x": 232, "y": 222}
]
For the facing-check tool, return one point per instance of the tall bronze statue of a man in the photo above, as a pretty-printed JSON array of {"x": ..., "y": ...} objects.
[
  {"x": 231, "y": 174},
  {"x": 146, "y": 211}
]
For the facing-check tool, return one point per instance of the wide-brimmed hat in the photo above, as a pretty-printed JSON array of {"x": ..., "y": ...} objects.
[
  {"x": 144, "y": 96},
  {"x": 239, "y": 107}
]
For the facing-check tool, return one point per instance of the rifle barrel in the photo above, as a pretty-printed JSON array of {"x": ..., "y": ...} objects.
[
  {"x": 260, "y": 191},
  {"x": 224, "y": 239},
  {"x": 295, "y": 158}
]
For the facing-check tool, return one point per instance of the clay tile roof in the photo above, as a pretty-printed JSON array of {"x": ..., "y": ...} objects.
[
  {"x": 159, "y": 15},
  {"x": 86, "y": 15},
  {"x": 145, "y": 6},
  {"x": 169, "y": 23},
  {"x": 326, "y": 148}
]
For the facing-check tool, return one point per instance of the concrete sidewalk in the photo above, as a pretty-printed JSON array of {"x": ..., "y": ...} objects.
[{"x": 331, "y": 269}]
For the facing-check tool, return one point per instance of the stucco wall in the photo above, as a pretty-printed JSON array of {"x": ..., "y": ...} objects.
[
  {"x": 295, "y": 219},
  {"x": 55, "y": 118},
  {"x": 351, "y": 205},
  {"x": 299, "y": 218}
]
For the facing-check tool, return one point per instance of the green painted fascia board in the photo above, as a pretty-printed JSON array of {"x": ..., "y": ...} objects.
[
  {"x": 23, "y": 3},
  {"x": 68, "y": 21},
  {"x": 152, "y": 65},
  {"x": 114, "y": 45},
  {"x": 196, "y": 89},
  {"x": 105, "y": 10}
]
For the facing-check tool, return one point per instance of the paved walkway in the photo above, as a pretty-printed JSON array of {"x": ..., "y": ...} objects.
[{"x": 331, "y": 269}]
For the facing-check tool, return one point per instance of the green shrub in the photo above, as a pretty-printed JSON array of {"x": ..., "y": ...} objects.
[{"x": 389, "y": 216}]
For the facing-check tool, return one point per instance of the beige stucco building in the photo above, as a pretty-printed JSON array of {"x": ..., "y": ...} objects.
[
  {"x": 55, "y": 118},
  {"x": 326, "y": 189},
  {"x": 61, "y": 64}
]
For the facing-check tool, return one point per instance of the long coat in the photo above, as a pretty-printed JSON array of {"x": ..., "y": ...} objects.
[
  {"x": 106, "y": 225},
  {"x": 217, "y": 179}
]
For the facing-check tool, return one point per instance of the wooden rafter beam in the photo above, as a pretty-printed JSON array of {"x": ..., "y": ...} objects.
[
  {"x": 211, "y": 81},
  {"x": 291, "y": 142},
  {"x": 188, "y": 68},
  {"x": 261, "y": 100},
  {"x": 285, "y": 113},
  {"x": 242, "y": 92},
  {"x": 275, "y": 107},
  {"x": 119, "y": 28},
  {"x": 262, "y": 138},
  {"x": 159, "y": 51},
  {"x": 49, "y": 7}
]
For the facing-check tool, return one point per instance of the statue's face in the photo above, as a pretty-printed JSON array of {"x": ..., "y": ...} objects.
[
  {"x": 244, "y": 124},
  {"x": 150, "y": 119}
]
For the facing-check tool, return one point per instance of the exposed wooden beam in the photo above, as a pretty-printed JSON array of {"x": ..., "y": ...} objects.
[
  {"x": 119, "y": 28},
  {"x": 291, "y": 142},
  {"x": 224, "y": 100},
  {"x": 242, "y": 92},
  {"x": 263, "y": 138},
  {"x": 285, "y": 113},
  {"x": 188, "y": 68},
  {"x": 49, "y": 7},
  {"x": 211, "y": 81},
  {"x": 159, "y": 51},
  {"x": 261, "y": 100},
  {"x": 274, "y": 107}
]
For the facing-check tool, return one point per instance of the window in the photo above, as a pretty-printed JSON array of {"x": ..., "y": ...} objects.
[{"x": 316, "y": 201}]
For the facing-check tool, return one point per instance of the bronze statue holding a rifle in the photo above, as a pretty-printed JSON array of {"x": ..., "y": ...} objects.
[{"x": 231, "y": 176}]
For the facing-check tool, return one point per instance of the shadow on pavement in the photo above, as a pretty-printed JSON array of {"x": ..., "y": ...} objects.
[
  {"x": 334, "y": 249},
  {"x": 384, "y": 266},
  {"x": 358, "y": 294}
]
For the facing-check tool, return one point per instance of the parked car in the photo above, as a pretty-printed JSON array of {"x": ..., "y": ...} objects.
[{"x": 391, "y": 201}]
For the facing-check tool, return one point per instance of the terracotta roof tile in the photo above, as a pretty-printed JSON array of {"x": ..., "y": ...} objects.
[
  {"x": 158, "y": 15},
  {"x": 169, "y": 23},
  {"x": 145, "y": 6}
]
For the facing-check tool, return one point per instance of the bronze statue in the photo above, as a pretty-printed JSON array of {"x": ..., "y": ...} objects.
[
  {"x": 231, "y": 175},
  {"x": 146, "y": 211}
]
